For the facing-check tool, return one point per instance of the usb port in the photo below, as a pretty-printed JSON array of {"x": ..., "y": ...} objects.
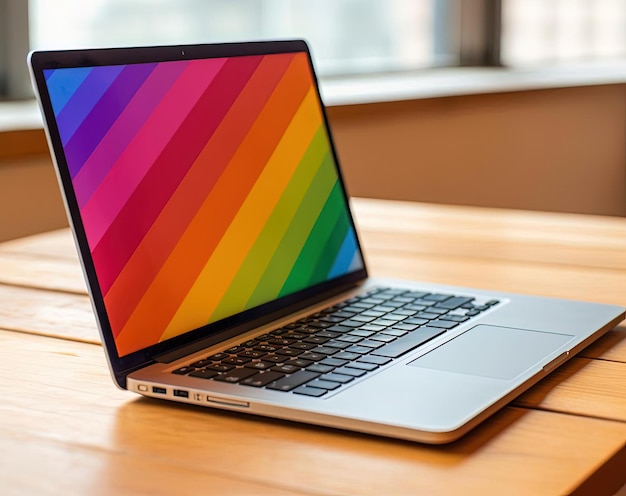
[
  {"x": 159, "y": 390},
  {"x": 181, "y": 394}
]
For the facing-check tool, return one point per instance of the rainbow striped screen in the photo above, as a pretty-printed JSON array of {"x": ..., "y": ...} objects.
[{"x": 206, "y": 187}]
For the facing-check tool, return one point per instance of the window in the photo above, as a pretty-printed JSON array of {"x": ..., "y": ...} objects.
[{"x": 347, "y": 36}]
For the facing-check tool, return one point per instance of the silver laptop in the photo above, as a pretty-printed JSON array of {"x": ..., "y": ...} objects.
[{"x": 225, "y": 268}]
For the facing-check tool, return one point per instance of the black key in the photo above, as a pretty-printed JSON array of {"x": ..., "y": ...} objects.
[
  {"x": 415, "y": 294},
  {"x": 385, "y": 338},
  {"x": 281, "y": 342},
  {"x": 373, "y": 313},
  {"x": 299, "y": 362},
  {"x": 183, "y": 370},
  {"x": 364, "y": 366},
  {"x": 471, "y": 313},
  {"x": 361, "y": 350},
  {"x": 409, "y": 342},
  {"x": 347, "y": 355},
  {"x": 394, "y": 331},
  {"x": 327, "y": 334},
  {"x": 437, "y": 297},
  {"x": 374, "y": 359},
  {"x": 200, "y": 363},
  {"x": 316, "y": 339},
  {"x": 274, "y": 358},
  {"x": 319, "y": 383},
  {"x": 217, "y": 356},
  {"x": 236, "y": 360},
  {"x": 340, "y": 345},
  {"x": 286, "y": 368},
  {"x": 371, "y": 327},
  {"x": 332, "y": 319},
  {"x": 361, "y": 333},
  {"x": 454, "y": 302},
  {"x": 220, "y": 367},
  {"x": 423, "y": 315},
  {"x": 302, "y": 346},
  {"x": 322, "y": 369},
  {"x": 384, "y": 323},
  {"x": 417, "y": 320},
  {"x": 261, "y": 365},
  {"x": 340, "y": 378},
  {"x": 364, "y": 318},
  {"x": 289, "y": 352},
  {"x": 251, "y": 354},
  {"x": 350, "y": 371},
  {"x": 395, "y": 316},
  {"x": 348, "y": 338},
  {"x": 333, "y": 362},
  {"x": 443, "y": 324},
  {"x": 310, "y": 391},
  {"x": 351, "y": 323},
  {"x": 267, "y": 348},
  {"x": 344, "y": 314},
  {"x": 235, "y": 375},
  {"x": 405, "y": 311},
  {"x": 203, "y": 374},
  {"x": 370, "y": 343},
  {"x": 250, "y": 343},
  {"x": 314, "y": 357},
  {"x": 403, "y": 326},
  {"x": 437, "y": 310},
  {"x": 491, "y": 303},
  {"x": 262, "y": 378},
  {"x": 324, "y": 350},
  {"x": 455, "y": 318},
  {"x": 293, "y": 381},
  {"x": 340, "y": 328}
]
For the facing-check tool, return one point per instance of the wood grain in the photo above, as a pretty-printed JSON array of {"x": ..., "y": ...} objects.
[{"x": 62, "y": 404}]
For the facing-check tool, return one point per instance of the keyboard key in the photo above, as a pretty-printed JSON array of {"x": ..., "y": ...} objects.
[
  {"x": 324, "y": 350},
  {"x": 251, "y": 354},
  {"x": 385, "y": 338},
  {"x": 361, "y": 333},
  {"x": 394, "y": 331},
  {"x": 286, "y": 368},
  {"x": 260, "y": 365},
  {"x": 361, "y": 350},
  {"x": 289, "y": 352},
  {"x": 409, "y": 342},
  {"x": 274, "y": 358},
  {"x": 443, "y": 324},
  {"x": 310, "y": 391},
  {"x": 351, "y": 371},
  {"x": 218, "y": 356},
  {"x": 299, "y": 362},
  {"x": 334, "y": 362},
  {"x": 370, "y": 343},
  {"x": 200, "y": 363},
  {"x": 236, "y": 360},
  {"x": 183, "y": 370},
  {"x": 320, "y": 368},
  {"x": 340, "y": 345},
  {"x": 347, "y": 355},
  {"x": 348, "y": 338},
  {"x": 293, "y": 381},
  {"x": 262, "y": 378},
  {"x": 364, "y": 366},
  {"x": 314, "y": 357},
  {"x": 203, "y": 374},
  {"x": 455, "y": 318},
  {"x": 340, "y": 378},
  {"x": 378, "y": 360},
  {"x": 454, "y": 302},
  {"x": 437, "y": 297},
  {"x": 322, "y": 384},
  {"x": 235, "y": 375},
  {"x": 220, "y": 367}
]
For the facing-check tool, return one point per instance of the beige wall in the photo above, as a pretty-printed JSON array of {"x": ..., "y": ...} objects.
[{"x": 557, "y": 150}]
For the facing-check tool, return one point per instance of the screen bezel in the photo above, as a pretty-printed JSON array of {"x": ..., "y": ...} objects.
[{"x": 120, "y": 366}]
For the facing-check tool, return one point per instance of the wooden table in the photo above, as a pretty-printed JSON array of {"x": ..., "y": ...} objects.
[{"x": 65, "y": 429}]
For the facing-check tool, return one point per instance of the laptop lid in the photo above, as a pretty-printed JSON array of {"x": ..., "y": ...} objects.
[{"x": 202, "y": 187}]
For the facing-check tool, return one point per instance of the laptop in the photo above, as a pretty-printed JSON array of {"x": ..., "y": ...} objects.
[{"x": 225, "y": 268}]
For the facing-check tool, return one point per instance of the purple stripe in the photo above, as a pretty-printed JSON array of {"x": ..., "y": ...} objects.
[
  {"x": 124, "y": 130},
  {"x": 84, "y": 99},
  {"x": 104, "y": 114},
  {"x": 156, "y": 189}
]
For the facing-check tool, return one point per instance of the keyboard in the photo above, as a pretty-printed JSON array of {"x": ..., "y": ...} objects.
[{"x": 323, "y": 352}]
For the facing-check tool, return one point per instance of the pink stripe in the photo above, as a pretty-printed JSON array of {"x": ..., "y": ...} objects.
[
  {"x": 125, "y": 129},
  {"x": 139, "y": 156}
]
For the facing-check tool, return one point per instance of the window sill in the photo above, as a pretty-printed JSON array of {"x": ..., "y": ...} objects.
[{"x": 435, "y": 83}]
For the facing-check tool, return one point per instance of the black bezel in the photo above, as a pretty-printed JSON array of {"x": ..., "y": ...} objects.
[{"x": 122, "y": 366}]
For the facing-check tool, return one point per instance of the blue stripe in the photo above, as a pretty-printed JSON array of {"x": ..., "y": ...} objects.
[
  {"x": 346, "y": 255},
  {"x": 85, "y": 99},
  {"x": 63, "y": 83}
]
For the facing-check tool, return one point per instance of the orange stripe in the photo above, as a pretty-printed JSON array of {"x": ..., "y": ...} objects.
[
  {"x": 160, "y": 240},
  {"x": 168, "y": 290},
  {"x": 217, "y": 275}
]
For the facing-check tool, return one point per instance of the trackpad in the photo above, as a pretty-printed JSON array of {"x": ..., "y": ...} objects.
[{"x": 492, "y": 351}]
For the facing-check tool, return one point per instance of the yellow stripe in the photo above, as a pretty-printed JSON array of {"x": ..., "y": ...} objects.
[{"x": 218, "y": 273}]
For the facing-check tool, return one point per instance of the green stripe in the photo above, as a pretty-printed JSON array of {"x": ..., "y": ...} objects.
[
  {"x": 291, "y": 244},
  {"x": 329, "y": 251},
  {"x": 303, "y": 271},
  {"x": 256, "y": 262}
]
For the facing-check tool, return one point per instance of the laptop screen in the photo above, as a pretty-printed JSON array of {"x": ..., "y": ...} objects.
[{"x": 205, "y": 187}]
